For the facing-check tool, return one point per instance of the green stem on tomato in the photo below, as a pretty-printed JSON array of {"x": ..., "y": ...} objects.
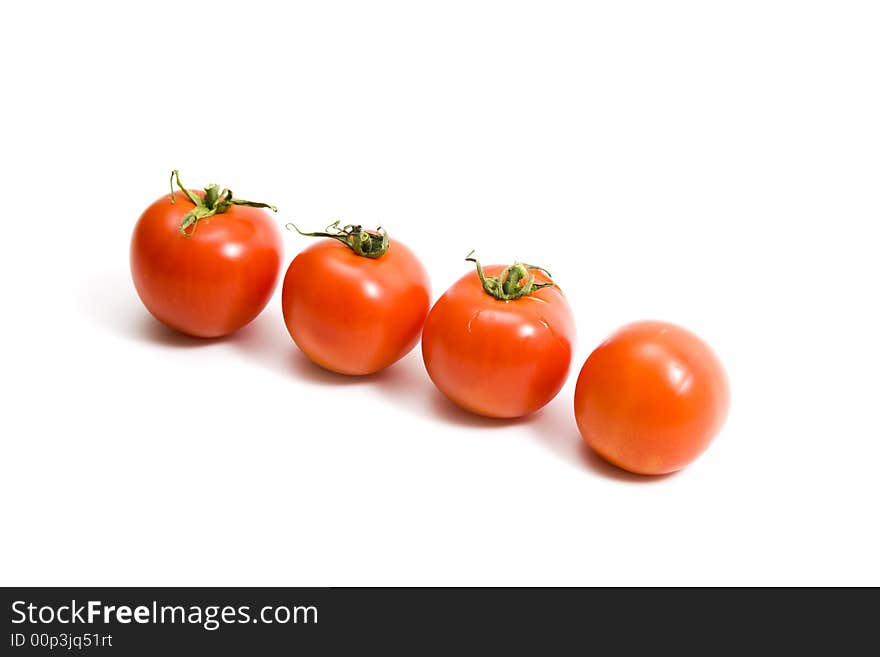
[
  {"x": 366, "y": 243},
  {"x": 215, "y": 201},
  {"x": 514, "y": 281}
]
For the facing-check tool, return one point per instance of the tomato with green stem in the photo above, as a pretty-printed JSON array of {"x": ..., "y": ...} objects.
[
  {"x": 355, "y": 303},
  {"x": 499, "y": 342},
  {"x": 651, "y": 398},
  {"x": 208, "y": 265}
]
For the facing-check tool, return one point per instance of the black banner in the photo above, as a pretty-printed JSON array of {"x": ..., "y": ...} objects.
[{"x": 242, "y": 621}]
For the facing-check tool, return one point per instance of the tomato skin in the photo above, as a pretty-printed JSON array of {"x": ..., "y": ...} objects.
[
  {"x": 351, "y": 314},
  {"x": 501, "y": 359},
  {"x": 213, "y": 283},
  {"x": 651, "y": 398}
]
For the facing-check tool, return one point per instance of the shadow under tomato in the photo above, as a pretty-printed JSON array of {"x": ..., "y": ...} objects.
[
  {"x": 557, "y": 431},
  {"x": 266, "y": 342},
  {"x": 411, "y": 388},
  {"x": 154, "y": 331},
  {"x": 405, "y": 380},
  {"x": 110, "y": 302},
  {"x": 602, "y": 467},
  {"x": 454, "y": 414}
]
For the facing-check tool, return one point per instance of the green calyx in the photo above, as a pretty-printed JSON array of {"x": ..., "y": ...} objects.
[
  {"x": 366, "y": 243},
  {"x": 215, "y": 201},
  {"x": 515, "y": 281}
]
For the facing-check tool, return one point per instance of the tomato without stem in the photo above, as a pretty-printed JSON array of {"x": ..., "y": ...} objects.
[
  {"x": 499, "y": 342},
  {"x": 204, "y": 263},
  {"x": 356, "y": 303},
  {"x": 651, "y": 398}
]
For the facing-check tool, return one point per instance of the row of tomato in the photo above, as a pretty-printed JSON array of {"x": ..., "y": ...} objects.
[{"x": 497, "y": 343}]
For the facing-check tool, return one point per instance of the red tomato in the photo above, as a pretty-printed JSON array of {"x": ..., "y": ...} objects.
[
  {"x": 500, "y": 348},
  {"x": 204, "y": 263},
  {"x": 651, "y": 398},
  {"x": 356, "y": 303}
]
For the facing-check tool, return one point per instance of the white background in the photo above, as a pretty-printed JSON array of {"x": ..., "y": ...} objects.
[{"x": 712, "y": 164}]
